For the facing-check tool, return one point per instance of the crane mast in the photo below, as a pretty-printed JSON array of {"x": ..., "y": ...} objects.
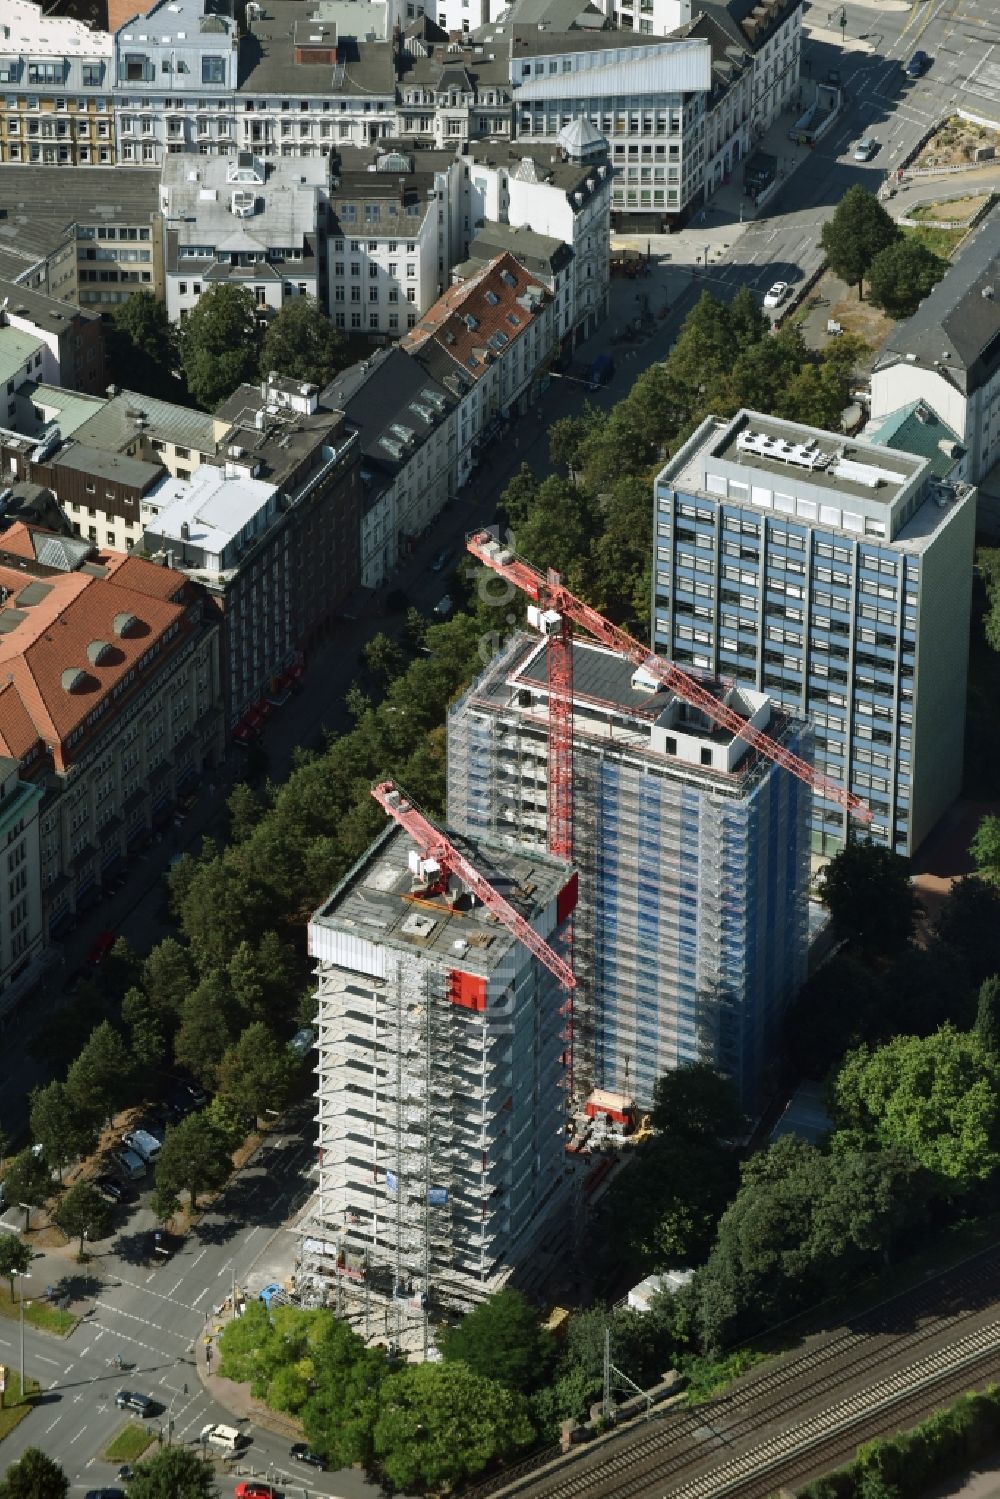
[
  {"x": 556, "y": 604},
  {"x": 434, "y": 844}
]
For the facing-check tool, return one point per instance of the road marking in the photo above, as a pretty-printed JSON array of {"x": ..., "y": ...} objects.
[
  {"x": 198, "y": 1258},
  {"x": 149, "y": 1277},
  {"x": 52, "y": 1423},
  {"x": 44, "y": 1359},
  {"x": 199, "y": 1297},
  {"x": 80, "y": 1433},
  {"x": 176, "y": 1287}
]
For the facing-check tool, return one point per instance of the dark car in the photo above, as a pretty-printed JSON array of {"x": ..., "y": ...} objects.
[
  {"x": 441, "y": 561},
  {"x": 917, "y": 65},
  {"x": 109, "y": 1186},
  {"x": 131, "y": 1400},
  {"x": 302, "y": 1454},
  {"x": 105, "y": 1494},
  {"x": 185, "y": 1087}
]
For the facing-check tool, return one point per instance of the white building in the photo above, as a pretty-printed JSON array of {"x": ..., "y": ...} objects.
[
  {"x": 440, "y": 1110},
  {"x": 56, "y": 77},
  {"x": 242, "y": 220},
  {"x": 948, "y": 354}
]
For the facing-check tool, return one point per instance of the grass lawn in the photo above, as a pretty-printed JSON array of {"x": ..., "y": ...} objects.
[
  {"x": 129, "y": 1444},
  {"x": 14, "y": 1409},
  {"x": 959, "y": 208},
  {"x": 941, "y": 242},
  {"x": 39, "y": 1314}
]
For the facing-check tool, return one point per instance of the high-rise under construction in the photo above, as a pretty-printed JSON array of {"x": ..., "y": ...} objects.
[
  {"x": 441, "y": 1102},
  {"x": 692, "y": 849}
]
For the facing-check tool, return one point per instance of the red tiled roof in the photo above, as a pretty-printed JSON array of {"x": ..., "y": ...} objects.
[
  {"x": 63, "y": 632},
  {"x": 477, "y": 320}
]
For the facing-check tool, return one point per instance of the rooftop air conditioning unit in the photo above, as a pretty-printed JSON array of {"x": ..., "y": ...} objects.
[{"x": 244, "y": 203}]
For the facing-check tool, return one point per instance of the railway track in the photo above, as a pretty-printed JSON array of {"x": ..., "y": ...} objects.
[{"x": 845, "y": 1389}]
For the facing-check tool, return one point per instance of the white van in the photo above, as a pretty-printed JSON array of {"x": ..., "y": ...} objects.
[
  {"x": 227, "y": 1438},
  {"x": 129, "y": 1164},
  {"x": 146, "y": 1146}
]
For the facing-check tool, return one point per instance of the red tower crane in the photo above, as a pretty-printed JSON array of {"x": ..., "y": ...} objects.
[
  {"x": 559, "y": 610},
  {"x": 433, "y": 844}
]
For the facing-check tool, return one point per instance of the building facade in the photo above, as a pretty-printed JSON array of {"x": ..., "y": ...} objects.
[
  {"x": 56, "y": 77},
  {"x": 22, "y": 928},
  {"x": 690, "y": 933},
  {"x": 835, "y": 576},
  {"x": 110, "y": 703},
  {"x": 441, "y": 1111},
  {"x": 73, "y": 354}
]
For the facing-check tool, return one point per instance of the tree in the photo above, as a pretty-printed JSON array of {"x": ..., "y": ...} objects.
[
  {"x": 383, "y": 658},
  {"x": 697, "y": 1102},
  {"x": 167, "y": 979},
  {"x": 195, "y": 1156},
  {"x": 245, "y": 809},
  {"x": 258, "y": 1070},
  {"x": 63, "y": 1130},
  {"x": 901, "y": 275},
  {"x": 501, "y": 1339},
  {"x": 969, "y": 924},
  {"x": 142, "y": 348},
  {"x": 988, "y": 1015},
  {"x": 339, "y": 1416},
  {"x": 985, "y": 848},
  {"x": 34, "y": 1476},
  {"x": 173, "y": 1473},
  {"x": 663, "y": 1211},
  {"x": 82, "y": 1213},
  {"x": 440, "y": 1423},
  {"x": 859, "y": 229},
  {"x": 866, "y": 888},
  {"x": 164, "y": 1204},
  {"x": 28, "y": 1183},
  {"x": 145, "y": 1030},
  {"x": 220, "y": 344},
  {"x": 301, "y": 342},
  {"x": 935, "y": 1097},
  {"x": 100, "y": 1080},
  {"x": 207, "y": 1028},
  {"x": 15, "y": 1257}
]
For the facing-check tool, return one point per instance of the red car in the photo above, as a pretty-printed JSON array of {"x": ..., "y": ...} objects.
[
  {"x": 101, "y": 948},
  {"x": 251, "y": 1489}
]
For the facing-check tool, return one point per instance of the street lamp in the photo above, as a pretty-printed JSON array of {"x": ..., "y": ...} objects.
[
  {"x": 707, "y": 248},
  {"x": 25, "y": 1275}
]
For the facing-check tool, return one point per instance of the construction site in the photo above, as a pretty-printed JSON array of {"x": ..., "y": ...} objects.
[{"x": 441, "y": 1038}]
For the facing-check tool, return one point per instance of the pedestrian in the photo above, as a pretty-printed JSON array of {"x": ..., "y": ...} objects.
[{"x": 185, "y": 1387}]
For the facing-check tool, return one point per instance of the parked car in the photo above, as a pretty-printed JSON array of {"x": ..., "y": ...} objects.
[
  {"x": 917, "y": 65},
  {"x": 441, "y": 560},
  {"x": 301, "y": 1453},
  {"x": 146, "y": 1146},
  {"x": 105, "y": 1494},
  {"x": 776, "y": 294},
  {"x": 601, "y": 372},
  {"x": 131, "y": 1166},
  {"x": 866, "y": 148},
  {"x": 252, "y": 1488},
  {"x": 105, "y": 942},
  {"x": 186, "y": 1087},
  {"x": 303, "y": 1041},
  {"x": 226, "y": 1438},
  {"x": 109, "y": 1186},
  {"x": 131, "y": 1400}
]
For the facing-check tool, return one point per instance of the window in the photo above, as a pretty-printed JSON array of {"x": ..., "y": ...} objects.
[{"x": 213, "y": 70}]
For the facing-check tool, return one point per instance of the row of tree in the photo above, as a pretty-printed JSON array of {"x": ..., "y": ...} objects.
[
  {"x": 172, "y": 1473},
  {"x": 864, "y": 243},
  {"x": 221, "y": 344}
]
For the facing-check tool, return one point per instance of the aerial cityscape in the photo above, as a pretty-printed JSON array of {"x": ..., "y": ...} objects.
[{"x": 499, "y": 681}]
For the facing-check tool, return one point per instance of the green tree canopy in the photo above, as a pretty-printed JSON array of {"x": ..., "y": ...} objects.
[
  {"x": 167, "y": 979},
  {"x": 245, "y": 810},
  {"x": 208, "y": 1025},
  {"x": 34, "y": 1476},
  {"x": 988, "y": 1015},
  {"x": 301, "y": 342},
  {"x": 220, "y": 344},
  {"x": 28, "y": 1183},
  {"x": 866, "y": 888},
  {"x": 935, "y": 1097},
  {"x": 665, "y": 1208},
  {"x": 82, "y": 1213},
  {"x": 339, "y": 1416},
  {"x": 439, "y": 1424},
  {"x": 100, "y": 1080},
  {"x": 142, "y": 348},
  {"x": 258, "y": 1070},
  {"x": 15, "y": 1259},
  {"x": 985, "y": 847},
  {"x": 195, "y": 1157},
  {"x": 697, "y": 1102},
  {"x": 145, "y": 1030},
  {"x": 859, "y": 229},
  {"x": 502, "y": 1340},
  {"x": 60, "y": 1126},
  {"x": 968, "y": 924},
  {"x": 173, "y": 1473},
  {"x": 902, "y": 274}
]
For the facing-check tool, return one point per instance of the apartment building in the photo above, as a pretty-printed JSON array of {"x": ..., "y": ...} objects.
[
  {"x": 395, "y": 229},
  {"x": 175, "y": 77},
  {"x": 499, "y": 327},
  {"x": 109, "y": 703},
  {"x": 440, "y": 1111},
  {"x": 56, "y": 77},
  {"x": 693, "y": 854},
  {"x": 244, "y": 221},
  {"x": 22, "y": 940},
  {"x": 270, "y": 534},
  {"x": 647, "y": 98},
  {"x": 447, "y": 95},
  {"x": 835, "y": 575},
  {"x": 304, "y": 88},
  {"x": 73, "y": 352},
  {"x": 729, "y": 110},
  {"x": 564, "y": 195},
  {"x": 407, "y": 427},
  {"x": 90, "y": 240},
  {"x": 948, "y": 355}
]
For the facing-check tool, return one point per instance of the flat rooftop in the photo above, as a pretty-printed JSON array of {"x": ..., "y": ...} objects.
[
  {"x": 118, "y": 423},
  {"x": 16, "y": 349},
  {"x": 845, "y": 466},
  {"x": 374, "y": 901},
  {"x": 209, "y": 510}
]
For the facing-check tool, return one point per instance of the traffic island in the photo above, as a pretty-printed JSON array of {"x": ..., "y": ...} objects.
[
  {"x": 129, "y": 1444},
  {"x": 13, "y": 1408},
  {"x": 39, "y": 1313}
]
